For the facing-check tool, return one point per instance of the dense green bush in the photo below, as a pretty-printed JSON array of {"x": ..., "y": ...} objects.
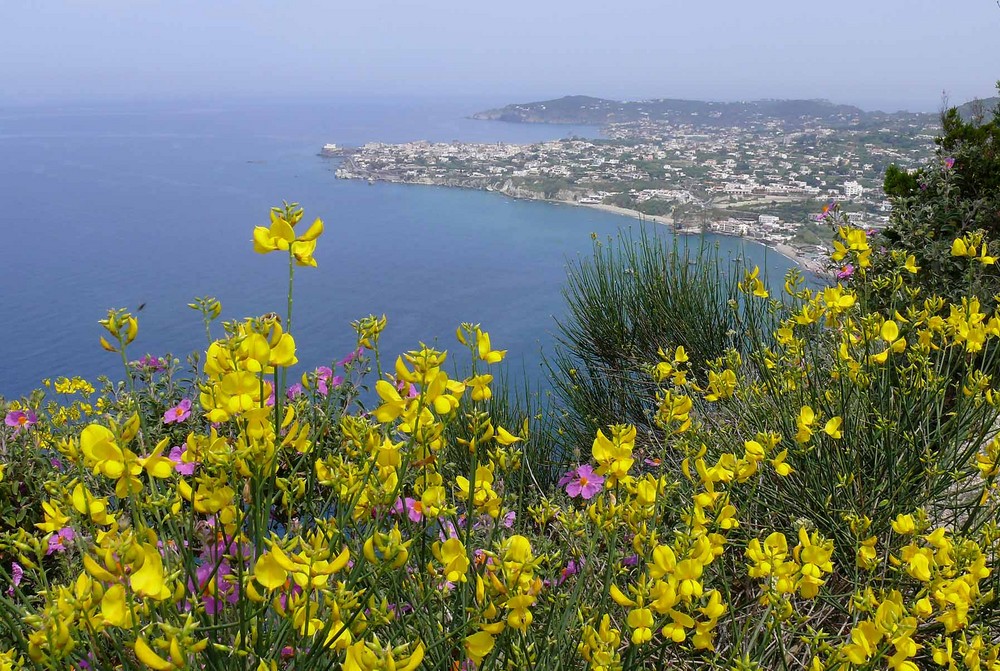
[{"x": 957, "y": 193}]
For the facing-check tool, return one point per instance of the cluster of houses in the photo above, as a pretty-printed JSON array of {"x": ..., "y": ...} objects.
[{"x": 718, "y": 168}]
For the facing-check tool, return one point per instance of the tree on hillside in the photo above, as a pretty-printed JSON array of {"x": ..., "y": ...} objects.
[{"x": 955, "y": 195}]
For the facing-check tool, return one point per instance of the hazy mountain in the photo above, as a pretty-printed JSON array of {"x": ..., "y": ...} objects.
[{"x": 599, "y": 111}]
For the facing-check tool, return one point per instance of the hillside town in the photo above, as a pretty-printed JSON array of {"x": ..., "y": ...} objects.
[{"x": 762, "y": 181}]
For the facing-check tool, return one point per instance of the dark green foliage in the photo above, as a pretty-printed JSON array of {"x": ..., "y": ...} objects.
[
  {"x": 959, "y": 192},
  {"x": 631, "y": 298},
  {"x": 976, "y": 150},
  {"x": 899, "y": 182}
]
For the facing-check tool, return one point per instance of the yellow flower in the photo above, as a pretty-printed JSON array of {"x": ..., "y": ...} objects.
[
  {"x": 54, "y": 518},
  {"x": 452, "y": 555},
  {"x": 780, "y": 467},
  {"x": 640, "y": 620},
  {"x": 484, "y": 350},
  {"x": 866, "y": 556},
  {"x": 903, "y": 524},
  {"x": 959, "y": 248},
  {"x": 519, "y": 616},
  {"x": 890, "y": 334},
  {"x": 804, "y": 422},
  {"x": 478, "y": 645},
  {"x": 280, "y": 235},
  {"x": 753, "y": 284},
  {"x": 614, "y": 454},
  {"x": 102, "y": 453}
]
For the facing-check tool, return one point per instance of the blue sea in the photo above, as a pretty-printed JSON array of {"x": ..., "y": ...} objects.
[{"x": 116, "y": 206}]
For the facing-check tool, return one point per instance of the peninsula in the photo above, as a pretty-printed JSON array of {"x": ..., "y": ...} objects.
[{"x": 759, "y": 169}]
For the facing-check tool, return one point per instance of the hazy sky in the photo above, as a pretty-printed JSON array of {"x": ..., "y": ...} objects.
[{"x": 874, "y": 53}]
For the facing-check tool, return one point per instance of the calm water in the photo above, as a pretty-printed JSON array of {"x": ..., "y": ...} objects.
[{"x": 116, "y": 207}]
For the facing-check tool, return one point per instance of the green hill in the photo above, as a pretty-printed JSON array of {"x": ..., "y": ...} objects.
[{"x": 600, "y": 111}]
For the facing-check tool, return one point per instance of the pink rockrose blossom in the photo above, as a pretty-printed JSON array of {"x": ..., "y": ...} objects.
[
  {"x": 20, "y": 419},
  {"x": 16, "y": 574},
  {"x": 845, "y": 272},
  {"x": 414, "y": 509},
  {"x": 572, "y": 568},
  {"x": 582, "y": 481},
  {"x": 177, "y": 456},
  {"x": 828, "y": 210},
  {"x": 326, "y": 380},
  {"x": 295, "y": 390},
  {"x": 60, "y": 540},
  {"x": 949, "y": 163},
  {"x": 153, "y": 363},
  {"x": 178, "y": 413},
  {"x": 352, "y": 357}
]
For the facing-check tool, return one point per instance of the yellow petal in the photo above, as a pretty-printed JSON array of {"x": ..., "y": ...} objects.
[
  {"x": 148, "y": 580},
  {"x": 113, "y": 607},
  {"x": 282, "y": 233},
  {"x": 269, "y": 573},
  {"x": 313, "y": 231},
  {"x": 889, "y": 331},
  {"x": 146, "y": 655},
  {"x": 478, "y": 645}
]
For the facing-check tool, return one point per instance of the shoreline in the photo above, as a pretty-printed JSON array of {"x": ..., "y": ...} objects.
[{"x": 783, "y": 249}]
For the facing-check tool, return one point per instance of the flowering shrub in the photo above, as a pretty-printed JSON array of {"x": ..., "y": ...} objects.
[{"x": 823, "y": 497}]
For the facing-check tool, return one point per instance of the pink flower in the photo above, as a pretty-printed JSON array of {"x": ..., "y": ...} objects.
[
  {"x": 326, "y": 380},
  {"x": 183, "y": 467},
  {"x": 16, "y": 573},
  {"x": 414, "y": 509},
  {"x": 828, "y": 211},
  {"x": 845, "y": 272},
  {"x": 949, "y": 163},
  {"x": 582, "y": 481},
  {"x": 20, "y": 419},
  {"x": 294, "y": 390},
  {"x": 352, "y": 357},
  {"x": 178, "y": 413},
  {"x": 572, "y": 568},
  {"x": 59, "y": 541},
  {"x": 153, "y": 363}
]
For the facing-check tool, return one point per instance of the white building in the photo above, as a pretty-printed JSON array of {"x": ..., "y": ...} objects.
[{"x": 853, "y": 190}]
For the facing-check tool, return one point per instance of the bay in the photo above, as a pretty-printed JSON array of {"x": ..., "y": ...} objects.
[{"x": 117, "y": 206}]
